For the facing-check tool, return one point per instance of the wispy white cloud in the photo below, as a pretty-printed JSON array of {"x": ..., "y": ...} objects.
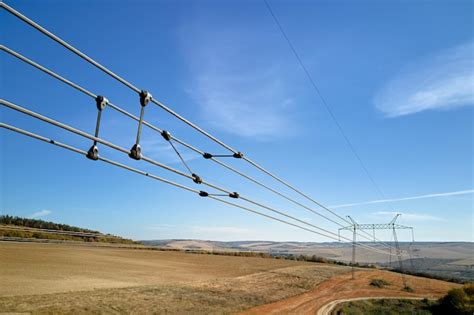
[
  {"x": 250, "y": 105},
  {"x": 439, "y": 82},
  {"x": 445, "y": 194},
  {"x": 237, "y": 91},
  {"x": 40, "y": 214},
  {"x": 410, "y": 216}
]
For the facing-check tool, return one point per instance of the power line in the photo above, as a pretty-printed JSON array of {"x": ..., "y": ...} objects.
[
  {"x": 126, "y": 167},
  {"x": 129, "y": 85},
  {"x": 169, "y": 136},
  {"x": 325, "y": 103},
  {"x": 118, "y": 148}
]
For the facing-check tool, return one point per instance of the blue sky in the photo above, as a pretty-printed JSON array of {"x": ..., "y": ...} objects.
[{"x": 398, "y": 75}]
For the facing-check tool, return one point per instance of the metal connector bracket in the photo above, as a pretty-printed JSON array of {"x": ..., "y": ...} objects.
[
  {"x": 234, "y": 195},
  {"x": 101, "y": 102},
  {"x": 196, "y": 179},
  {"x": 145, "y": 97},
  {"x": 93, "y": 153},
  {"x": 136, "y": 152},
  {"x": 238, "y": 155},
  {"x": 166, "y": 135}
]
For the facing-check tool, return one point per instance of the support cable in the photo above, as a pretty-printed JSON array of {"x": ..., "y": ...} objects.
[
  {"x": 164, "y": 107},
  {"x": 200, "y": 193},
  {"x": 167, "y": 136}
]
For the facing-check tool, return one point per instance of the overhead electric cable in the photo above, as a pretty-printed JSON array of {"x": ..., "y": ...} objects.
[
  {"x": 164, "y": 133},
  {"x": 325, "y": 103},
  {"x": 129, "y": 85},
  {"x": 82, "y": 152},
  {"x": 123, "y": 150}
]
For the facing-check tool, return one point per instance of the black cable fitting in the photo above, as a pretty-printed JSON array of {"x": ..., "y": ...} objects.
[
  {"x": 165, "y": 134},
  {"x": 207, "y": 155},
  {"x": 234, "y": 195},
  {"x": 145, "y": 97},
  {"x": 101, "y": 102},
  {"x": 93, "y": 153},
  {"x": 203, "y": 194},
  {"x": 136, "y": 152},
  {"x": 196, "y": 179},
  {"x": 238, "y": 155}
]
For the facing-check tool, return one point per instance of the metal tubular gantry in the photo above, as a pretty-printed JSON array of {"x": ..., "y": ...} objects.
[{"x": 381, "y": 226}]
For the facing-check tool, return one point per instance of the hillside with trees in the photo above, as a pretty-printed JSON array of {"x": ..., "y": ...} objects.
[{"x": 13, "y": 227}]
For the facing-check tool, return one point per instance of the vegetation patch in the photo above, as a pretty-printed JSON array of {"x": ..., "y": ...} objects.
[
  {"x": 379, "y": 283},
  {"x": 458, "y": 301},
  {"x": 408, "y": 289},
  {"x": 386, "y": 307}
]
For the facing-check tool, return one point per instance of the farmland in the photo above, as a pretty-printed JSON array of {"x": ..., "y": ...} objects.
[
  {"x": 65, "y": 278},
  {"x": 46, "y": 278}
]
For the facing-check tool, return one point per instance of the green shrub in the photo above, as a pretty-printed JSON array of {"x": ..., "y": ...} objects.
[
  {"x": 379, "y": 283},
  {"x": 408, "y": 289}
]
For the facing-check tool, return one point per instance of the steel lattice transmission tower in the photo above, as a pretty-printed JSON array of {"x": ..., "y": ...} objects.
[{"x": 379, "y": 226}]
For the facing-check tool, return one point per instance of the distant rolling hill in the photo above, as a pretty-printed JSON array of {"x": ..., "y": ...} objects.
[{"x": 444, "y": 259}]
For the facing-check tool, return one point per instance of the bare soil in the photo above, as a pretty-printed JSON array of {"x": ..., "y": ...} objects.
[{"x": 57, "y": 278}]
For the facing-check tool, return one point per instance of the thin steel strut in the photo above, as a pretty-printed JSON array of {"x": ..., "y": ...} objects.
[
  {"x": 136, "y": 150},
  {"x": 164, "y": 107},
  {"x": 93, "y": 152},
  {"x": 400, "y": 263},
  {"x": 354, "y": 230}
]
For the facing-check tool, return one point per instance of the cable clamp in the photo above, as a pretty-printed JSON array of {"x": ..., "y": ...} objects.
[
  {"x": 136, "y": 152},
  {"x": 234, "y": 195},
  {"x": 203, "y": 194},
  {"x": 207, "y": 155},
  {"x": 196, "y": 178},
  {"x": 93, "y": 153},
  {"x": 165, "y": 134},
  {"x": 238, "y": 155},
  {"x": 101, "y": 102},
  {"x": 145, "y": 97}
]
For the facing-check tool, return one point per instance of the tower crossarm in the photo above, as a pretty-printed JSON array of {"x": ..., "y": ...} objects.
[{"x": 371, "y": 226}]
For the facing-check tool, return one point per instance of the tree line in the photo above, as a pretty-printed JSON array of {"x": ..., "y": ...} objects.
[{"x": 40, "y": 224}]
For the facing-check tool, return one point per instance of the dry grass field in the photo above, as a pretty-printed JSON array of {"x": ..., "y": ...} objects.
[{"x": 54, "y": 278}]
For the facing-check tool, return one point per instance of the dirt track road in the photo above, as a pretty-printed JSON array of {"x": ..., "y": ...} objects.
[{"x": 343, "y": 287}]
